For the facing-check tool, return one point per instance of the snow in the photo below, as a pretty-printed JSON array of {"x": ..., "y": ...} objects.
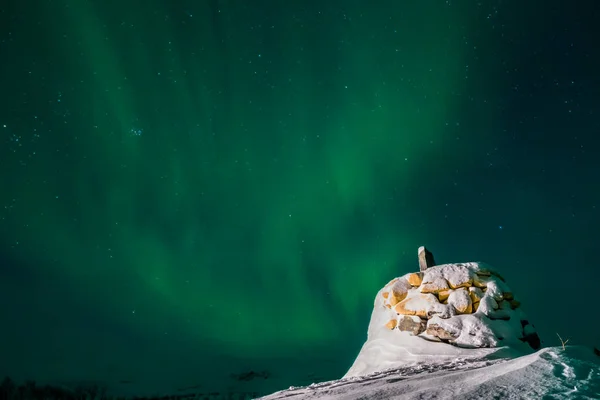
[
  {"x": 493, "y": 290},
  {"x": 549, "y": 373},
  {"x": 417, "y": 300},
  {"x": 401, "y": 286},
  {"x": 487, "y": 305},
  {"x": 443, "y": 310},
  {"x": 460, "y": 299},
  {"x": 394, "y": 349},
  {"x": 474, "y": 338},
  {"x": 456, "y": 274}
]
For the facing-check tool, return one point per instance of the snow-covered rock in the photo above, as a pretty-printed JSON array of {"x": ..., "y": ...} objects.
[{"x": 449, "y": 310}]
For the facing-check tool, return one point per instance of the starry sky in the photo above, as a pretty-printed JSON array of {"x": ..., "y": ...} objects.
[{"x": 192, "y": 190}]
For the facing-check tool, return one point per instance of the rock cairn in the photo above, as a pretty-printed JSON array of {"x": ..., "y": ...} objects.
[{"x": 464, "y": 304}]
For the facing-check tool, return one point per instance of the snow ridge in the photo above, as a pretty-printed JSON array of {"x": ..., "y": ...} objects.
[{"x": 572, "y": 373}]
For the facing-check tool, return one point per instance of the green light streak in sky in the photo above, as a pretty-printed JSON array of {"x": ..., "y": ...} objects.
[{"x": 241, "y": 210}]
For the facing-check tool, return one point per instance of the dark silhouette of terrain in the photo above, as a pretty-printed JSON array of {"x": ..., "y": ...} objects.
[
  {"x": 10, "y": 390},
  {"x": 251, "y": 375}
]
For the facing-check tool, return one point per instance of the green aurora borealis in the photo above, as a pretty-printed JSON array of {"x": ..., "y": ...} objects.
[
  {"x": 248, "y": 166},
  {"x": 223, "y": 181}
]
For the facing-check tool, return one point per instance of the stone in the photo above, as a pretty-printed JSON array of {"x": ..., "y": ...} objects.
[
  {"x": 487, "y": 305},
  {"x": 430, "y": 338},
  {"x": 401, "y": 309},
  {"x": 398, "y": 291},
  {"x": 496, "y": 274},
  {"x": 499, "y": 315},
  {"x": 415, "y": 278},
  {"x": 533, "y": 340},
  {"x": 397, "y": 297},
  {"x": 434, "y": 284},
  {"x": 411, "y": 324},
  {"x": 500, "y": 312},
  {"x": 417, "y": 304},
  {"x": 480, "y": 281},
  {"x": 443, "y": 311},
  {"x": 461, "y": 301},
  {"x": 457, "y": 275},
  {"x": 439, "y": 332},
  {"x": 425, "y": 259},
  {"x": 391, "y": 324},
  {"x": 494, "y": 290},
  {"x": 475, "y": 306},
  {"x": 444, "y": 329},
  {"x": 514, "y": 304},
  {"x": 385, "y": 292},
  {"x": 443, "y": 295},
  {"x": 476, "y": 294}
]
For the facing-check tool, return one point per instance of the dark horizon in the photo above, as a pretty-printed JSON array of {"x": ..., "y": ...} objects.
[{"x": 194, "y": 190}]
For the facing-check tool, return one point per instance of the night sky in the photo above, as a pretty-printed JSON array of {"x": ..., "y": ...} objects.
[{"x": 192, "y": 190}]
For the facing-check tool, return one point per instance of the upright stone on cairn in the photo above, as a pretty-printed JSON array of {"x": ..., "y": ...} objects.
[{"x": 425, "y": 259}]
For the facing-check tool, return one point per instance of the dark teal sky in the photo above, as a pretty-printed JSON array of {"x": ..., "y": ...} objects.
[{"x": 194, "y": 189}]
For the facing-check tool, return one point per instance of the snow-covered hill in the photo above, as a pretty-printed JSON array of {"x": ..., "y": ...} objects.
[
  {"x": 550, "y": 373},
  {"x": 456, "y": 331}
]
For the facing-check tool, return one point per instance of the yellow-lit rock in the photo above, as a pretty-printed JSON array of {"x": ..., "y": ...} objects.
[
  {"x": 402, "y": 310},
  {"x": 398, "y": 291},
  {"x": 391, "y": 324},
  {"x": 476, "y": 294},
  {"x": 458, "y": 275},
  {"x": 418, "y": 304},
  {"x": 435, "y": 285},
  {"x": 443, "y": 295},
  {"x": 415, "y": 278},
  {"x": 461, "y": 301},
  {"x": 480, "y": 281}
]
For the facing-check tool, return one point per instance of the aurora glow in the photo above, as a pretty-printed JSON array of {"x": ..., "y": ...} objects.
[{"x": 212, "y": 182}]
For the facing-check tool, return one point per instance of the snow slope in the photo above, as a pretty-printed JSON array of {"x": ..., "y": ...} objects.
[{"x": 550, "y": 373}]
